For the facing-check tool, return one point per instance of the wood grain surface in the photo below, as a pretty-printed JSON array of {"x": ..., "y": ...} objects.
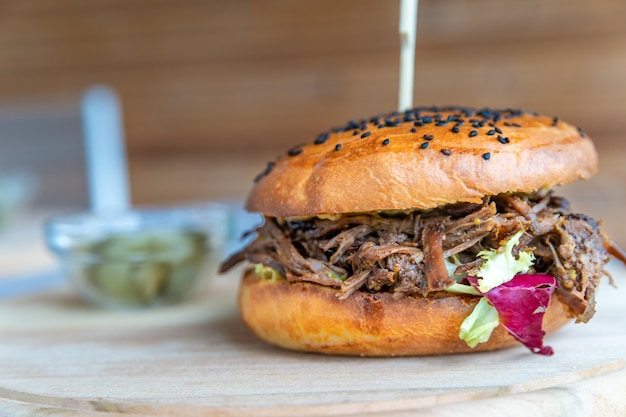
[{"x": 61, "y": 357}]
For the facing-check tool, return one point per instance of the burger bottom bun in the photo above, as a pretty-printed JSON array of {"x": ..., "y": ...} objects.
[{"x": 308, "y": 317}]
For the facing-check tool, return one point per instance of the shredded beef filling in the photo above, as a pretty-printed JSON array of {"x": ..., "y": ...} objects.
[{"x": 404, "y": 254}]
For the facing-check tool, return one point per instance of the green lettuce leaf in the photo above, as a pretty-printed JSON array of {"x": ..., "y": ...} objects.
[
  {"x": 501, "y": 265},
  {"x": 477, "y": 327},
  {"x": 268, "y": 273},
  {"x": 462, "y": 289},
  {"x": 452, "y": 263}
]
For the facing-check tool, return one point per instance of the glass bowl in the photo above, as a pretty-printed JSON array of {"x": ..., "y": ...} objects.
[{"x": 140, "y": 257}]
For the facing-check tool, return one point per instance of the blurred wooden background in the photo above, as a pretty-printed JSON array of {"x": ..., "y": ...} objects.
[{"x": 213, "y": 89}]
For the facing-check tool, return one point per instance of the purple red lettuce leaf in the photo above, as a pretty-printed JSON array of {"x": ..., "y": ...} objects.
[{"x": 521, "y": 304}]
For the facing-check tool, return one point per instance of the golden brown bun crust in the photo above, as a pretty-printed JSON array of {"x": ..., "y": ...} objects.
[
  {"x": 309, "y": 317},
  {"x": 370, "y": 174}
]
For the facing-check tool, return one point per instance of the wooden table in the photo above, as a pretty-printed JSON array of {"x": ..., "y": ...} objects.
[{"x": 59, "y": 356}]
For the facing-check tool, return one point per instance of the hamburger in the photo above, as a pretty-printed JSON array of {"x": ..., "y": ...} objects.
[{"x": 430, "y": 231}]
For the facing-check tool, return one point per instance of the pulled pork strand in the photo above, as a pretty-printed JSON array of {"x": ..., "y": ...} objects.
[
  {"x": 404, "y": 254},
  {"x": 434, "y": 266}
]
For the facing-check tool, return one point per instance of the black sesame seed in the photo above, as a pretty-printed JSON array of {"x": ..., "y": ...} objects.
[
  {"x": 294, "y": 151},
  {"x": 427, "y": 119},
  {"x": 419, "y": 124},
  {"x": 473, "y": 133},
  {"x": 424, "y": 145},
  {"x": 392, "y": 123},
  {"x": 446, "y": 152},
  {"x": 338, "y": 146},
  {"x": 442, "y": 123},
  {"x": 486, "y": 156},
  {"x": 386, "y": 141},
  {"x": 428, "y": 137},
  {"x": 486, "y": 113},
  {"x": 414, "y": 130},
  {"x": 352, "y": 124},
  {"x": 491, "y": 132},
  {"x": 555, "y": 121},
  {"x": 356, "y": 132},
  {"x": 321, "y": 139},
  {"x": 268, "y": 169},
  {"x": 366, "y": 134},
  {"x": 581, "y": 132},
  {"x": 497, "y": 129},
  {"x": 503, "y": 140},
  {"x": 456, "y": 129}
]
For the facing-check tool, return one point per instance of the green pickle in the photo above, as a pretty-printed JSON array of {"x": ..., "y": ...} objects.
[{"x": 146, "y": 267}]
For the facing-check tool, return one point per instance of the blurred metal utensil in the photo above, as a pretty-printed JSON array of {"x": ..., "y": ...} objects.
[{"x": 105, "y": 151}]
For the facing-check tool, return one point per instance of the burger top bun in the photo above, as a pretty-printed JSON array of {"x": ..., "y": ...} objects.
[{"x": 420, "y": 159}]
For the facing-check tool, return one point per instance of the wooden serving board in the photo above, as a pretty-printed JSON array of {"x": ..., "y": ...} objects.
[{"x": 61, "y": 357}]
